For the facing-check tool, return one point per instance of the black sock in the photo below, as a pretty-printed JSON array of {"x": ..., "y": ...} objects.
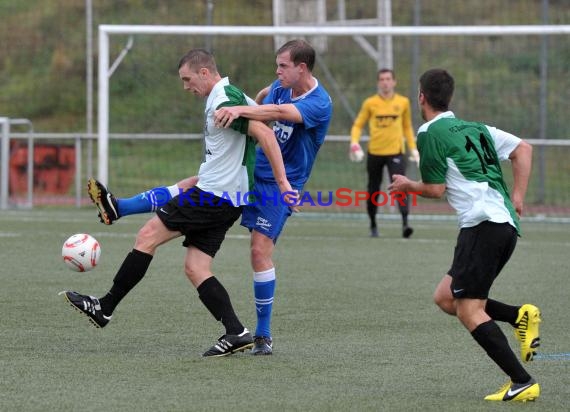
[
  {"x": 404, "y": 219},
  {"x": 501, "y": 311},
  {"x": 215, "y": 297},
  {"x": 490, "y": 337},
  {"x": 130, "y": 273}
]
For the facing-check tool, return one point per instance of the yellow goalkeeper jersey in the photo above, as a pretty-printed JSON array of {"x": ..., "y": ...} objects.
[{"x": 389, "y": 121}]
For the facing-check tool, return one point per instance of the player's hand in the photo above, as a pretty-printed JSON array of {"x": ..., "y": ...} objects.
[
  {"x": 291, "y": 198},
  {"x": 224, "y": 116},
  {"x": 289, "y": 195},
  {"x": 355, "y": 153},
  {"x": 399, "y": 184},
  {"x": 517, "y": 204},
  {"x": 415, "y": 157}
]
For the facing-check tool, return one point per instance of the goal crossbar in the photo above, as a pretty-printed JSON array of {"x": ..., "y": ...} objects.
[{"x": 339, "y": 30}]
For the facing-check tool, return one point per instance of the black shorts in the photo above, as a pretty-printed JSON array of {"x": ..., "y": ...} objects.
[
  {"x": 200, "y": 216},
  {"x": 480, "y": 254}
]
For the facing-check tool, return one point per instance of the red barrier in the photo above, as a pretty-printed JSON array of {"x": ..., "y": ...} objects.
[{"x": 54, "y": 168}]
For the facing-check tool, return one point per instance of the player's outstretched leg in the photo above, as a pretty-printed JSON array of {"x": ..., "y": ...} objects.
[
  {"x": 526, "y": 331},
  {"x": 104, "y": 200},
  {"x": 89, "y": 306},
  {"x": 517, "y": 392}
]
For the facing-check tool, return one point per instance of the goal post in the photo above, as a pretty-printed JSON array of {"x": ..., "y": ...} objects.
[{"x": 511, "y": 77}]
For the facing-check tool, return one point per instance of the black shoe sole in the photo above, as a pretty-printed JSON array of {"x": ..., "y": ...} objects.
[{"x": 240, "y": 349}]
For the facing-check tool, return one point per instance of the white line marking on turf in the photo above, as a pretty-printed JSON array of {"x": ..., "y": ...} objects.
[{"x": 10, "y": 234}]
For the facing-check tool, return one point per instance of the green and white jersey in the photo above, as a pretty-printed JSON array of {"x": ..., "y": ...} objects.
[
  {"x": 229, "y": 154},
  {"x": 466, "y": 157}
]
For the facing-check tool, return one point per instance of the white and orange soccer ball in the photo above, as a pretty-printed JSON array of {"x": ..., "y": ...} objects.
[{"x": 81, "y": 252}]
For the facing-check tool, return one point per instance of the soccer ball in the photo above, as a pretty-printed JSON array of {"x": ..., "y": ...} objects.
[{"x": 81, "y": 252}]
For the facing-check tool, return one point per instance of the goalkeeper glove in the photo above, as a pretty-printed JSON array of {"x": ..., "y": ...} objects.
[{"x": 355, "y": 153}]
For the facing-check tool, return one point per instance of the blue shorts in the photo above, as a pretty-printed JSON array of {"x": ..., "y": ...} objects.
[{"x": 268, "y": 214}]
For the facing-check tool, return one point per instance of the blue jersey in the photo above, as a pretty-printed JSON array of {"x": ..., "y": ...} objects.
[{"x": 299, "y": 142}]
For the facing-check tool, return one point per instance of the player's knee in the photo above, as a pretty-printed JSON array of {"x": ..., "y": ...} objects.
[
  {"x": 196, "y": 274},
  {"x": 187, "y": 183},
  {"x": 259, "y": 256},
  {"x": 444, "y": 302},
  {"x": 191, "y": 271},
  {"x": 437, "y": 299}
]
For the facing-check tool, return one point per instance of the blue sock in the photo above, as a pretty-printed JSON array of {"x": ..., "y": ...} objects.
[
  {"x": 147, "y": 201},
  {"x": 263, "y": 291}
]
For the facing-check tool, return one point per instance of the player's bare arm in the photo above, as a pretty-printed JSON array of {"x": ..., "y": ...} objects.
[
  {"x": 224, "y": 116},
  {"x": 403, "y": 184},
  {"x": 521, "y": 163},
  {"x": 261, "y": 95},
  {"x": 266, "y": 139}
]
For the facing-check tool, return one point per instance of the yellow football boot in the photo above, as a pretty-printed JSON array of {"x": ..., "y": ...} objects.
[
  {"x": 517, "y": 392},
  {"x": 526, "y": 331}
]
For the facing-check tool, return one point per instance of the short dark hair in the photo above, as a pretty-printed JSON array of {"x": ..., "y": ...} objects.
[
  {"x": 300, "y": 52},
  {"x": 385, "y": 70},
  {"x": 437, "y": 86},
  {"x": 198, "y": 58}
]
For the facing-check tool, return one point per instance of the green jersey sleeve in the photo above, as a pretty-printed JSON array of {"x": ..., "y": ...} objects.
[
  {"x": 236, "y": 98},
  {"x": 433, "y": 163}
]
